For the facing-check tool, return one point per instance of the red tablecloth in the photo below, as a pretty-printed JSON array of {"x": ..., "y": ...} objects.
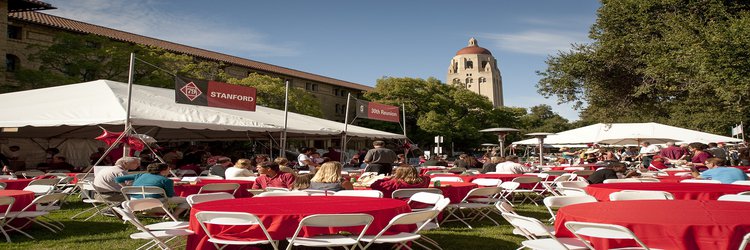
[
  {"x": 681, "y": 191},
  {"x": 456, "y": 191},
  {"x": 23, "y": 199},
  {"x": 470, "y": 178},
  {"x": 18, "y": 184},
  {"x": 281, "y": 215},
  {"x": 673, "y": 179},
  {"x": 679, "y": 224},
  {"x": 423, "y": 170},
  {"x": 183, "y": 190}
]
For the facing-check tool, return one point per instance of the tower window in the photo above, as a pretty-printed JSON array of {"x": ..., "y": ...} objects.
[
  {"x": 482, "y": 80},
  {"x": 469, "y": 65},
  {"x": 456, "y": 81},
  {"x": 12, "y": 63}
]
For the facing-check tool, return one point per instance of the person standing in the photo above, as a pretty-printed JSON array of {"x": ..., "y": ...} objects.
[
  {"x": 673, "y": 152},
  {"x": 380, "y": 159}
]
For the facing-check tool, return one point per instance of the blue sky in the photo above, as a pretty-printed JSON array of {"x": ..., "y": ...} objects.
[{"x": 362, "y": 41}]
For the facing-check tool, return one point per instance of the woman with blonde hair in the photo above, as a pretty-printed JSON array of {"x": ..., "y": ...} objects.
[
  {"x": 405, "y": 176},
  {"x": 328, "y": 177},
  {"x": 239, "y": 170}
]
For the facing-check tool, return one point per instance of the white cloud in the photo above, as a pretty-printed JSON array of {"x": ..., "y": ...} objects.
[
  {"x": 145, "y": 18},
  {"x": 536, "y": 42}
]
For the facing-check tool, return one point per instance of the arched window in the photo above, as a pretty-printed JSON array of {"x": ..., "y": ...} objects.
[
  {"x": 482, "y": 80},
  {"x": 469, "y": 81},
  {"x": 12, "y": 63},
  {"x": 456, "y": 81},
  {"x": 469, "y": 65}
]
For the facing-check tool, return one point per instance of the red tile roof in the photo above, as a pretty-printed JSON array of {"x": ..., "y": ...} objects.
[
  {"x": 28, "y": 5},
  {"x": 86, "y": 28}
]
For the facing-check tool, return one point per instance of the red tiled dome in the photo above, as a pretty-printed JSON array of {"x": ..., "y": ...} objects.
[{"x": 473, "y": 50}]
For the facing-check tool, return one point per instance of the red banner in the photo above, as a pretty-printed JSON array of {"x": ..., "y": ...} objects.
[
  {"x": 377, "y": 111},
  {"x": 214, "y": 94}
]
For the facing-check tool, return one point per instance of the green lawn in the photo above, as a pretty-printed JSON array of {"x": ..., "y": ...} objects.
[{"x": 110, "y": 233}]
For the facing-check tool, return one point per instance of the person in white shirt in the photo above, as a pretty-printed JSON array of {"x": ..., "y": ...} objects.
[
  {"x": 647, "y": 153},
  {"x": 239, "y": 170},
  {"x": 104, "y": 179},
  {"x": 511, "y": 165},
  {"x": 304, "y": 161}
]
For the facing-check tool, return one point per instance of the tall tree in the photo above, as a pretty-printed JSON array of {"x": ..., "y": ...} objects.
[{"x": 683, "y": 63}]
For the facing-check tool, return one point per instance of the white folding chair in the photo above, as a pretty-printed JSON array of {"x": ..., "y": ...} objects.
[
  {"x": 626, "y": 195},
  {"x": 40, "y": 189},
  {"x": 745, "y": 241},
  {"x": 505, "y": 207},
  {"x": 275, "y": 189},
  {"x": 485, "y": 182},
  {"x": 446, "y": 179},
  {"x": 315, "y": 192},
  {"x": 331, "y": 220},
  {"x": 626, "y": 180},
  {"x": 550, "y": 186},
  {"x": 649, "y": 180},
  {"x": 430, "y": 225},
  {"x": 200, "y": 198},
  {"x": 43, "y": 205},
  {"x": 220, "y": 187},
  {"x": 556, "y": 202},
  {"x": 420, "y": 217},
  {"x": 569, "y": 191},
  {"x": 741, "y": 182},
  {"x": 408, "y": 192},
  {"x": 744, "y": 193},
  {"x": 467, "y": 208},
  {"x": 140, "y": 192},
  {"x": 507, "y": 190},
  {"x": 6, "y": 201},
  {"x": 243, "y": 178},
  {"x": 31, "y": 173},
  {"x": 149, "y": 204},
  {"x": 605, "y": 231},
  {"x": 534, "y": 229},
  {"x": 584, "y": 172},
  {"x": 425, "y": 198},
  {"x": 210, "y": 177},
  {"x": 232, "y": 219},
  {"x": 290, "y": 193},
  {"x": 89, "y": 196},
  {"x": 360, "y": 193},
  {"x": 527, "y": 192},
  {"x": 734, "y": 197},
  {"x": 701, "y": 181},
  {"x": 154, "y": 237}
]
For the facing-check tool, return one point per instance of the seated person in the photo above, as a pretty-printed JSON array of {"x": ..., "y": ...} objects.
[
  {"x": 329, "y": 177},
  {"x": 511, "y": 165},
  {"x": 716, "y": 171},
  {"x": 283, "y": 165},
  {"x": 491, "y": 165},
  {"x": 271, "y": 176},
  {"x": 104, "y": 179},
  {"x": 302, "y": 182},
  {"x": 155, "y": 176},
  {"x": 435, "y": 160},
  {"x": 405, "y": 176},
  {"x": 220, "y": 167},
  {"x": 610, "y": 171},
  {"x": 239, "y": 170},
  {"x": 657, "y": 163},
  {"x": 59, "y": 162}
]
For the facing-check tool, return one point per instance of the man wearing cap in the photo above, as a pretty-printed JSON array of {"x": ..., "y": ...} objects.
[
  {"x": 717, "y": 150},
  {"x": 220, "y": 167},
  {"x": 380, "y": 159},
  {"x": 270, "y": 175}
]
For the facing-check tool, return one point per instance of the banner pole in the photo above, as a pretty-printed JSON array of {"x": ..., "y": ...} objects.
[
  {"x": 126, "y": 147},
  {"x": 346, "y": 124},
  {"x": 282, "y": 142},
  {"x": 403, "y": 115}
]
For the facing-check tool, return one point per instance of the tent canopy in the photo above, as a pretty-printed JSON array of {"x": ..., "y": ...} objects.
[
  {"x": 628, "y": 133},
  {"x": 76, "y": 111}
]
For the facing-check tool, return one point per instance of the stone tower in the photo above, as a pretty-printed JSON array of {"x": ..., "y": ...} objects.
[{"x": 475, "y": 68}]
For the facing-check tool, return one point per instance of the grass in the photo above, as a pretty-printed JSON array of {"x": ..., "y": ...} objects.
[{"x": 110, "y": 233}]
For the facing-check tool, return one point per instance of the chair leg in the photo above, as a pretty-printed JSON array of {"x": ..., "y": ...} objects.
[
  {"x": 7, "y": 237},
  {"x": 19, "y": 230}
]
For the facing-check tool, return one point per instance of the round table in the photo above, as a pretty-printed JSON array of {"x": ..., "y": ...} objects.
[
  {"x": 23, "y": 199},
  {"x": 184, "y": 190},
  {"x": 673, "y": 179},
  {"x": 681, "y": 191},
  {"x": 678, "y": 224},
  {"x": 281, "y": 216},
  {"x": 470, "y": 178},
  {"x": 423, "y": 170},
  {"x": 17, "y": 184}
]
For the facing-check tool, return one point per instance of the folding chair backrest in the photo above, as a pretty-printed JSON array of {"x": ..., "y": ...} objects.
[
  {"x": 510, "y": 185},
  {"x": 290, "y": 193},
  {"x": 315, "y": 192},
  {"x": 6, "y": 201},
  {"x": 485, "y": 182},
  {"x": 336, "y": 220},
  {"x": 569, "y": 191},
  {"x": 80, "y": 177},
  {"x": 505, "y": 207},
  {"x": 214, "y": 187},
  {"x": 227, "y": 218},
  {"x": 442, "y": 204},
  {"x": 39, "y": 189},
  {"x": 412, "y": 218},
  {"x": 745, "y": 241},
  {"x": 482, "y": 192},
  {"x": 243, "y": 178},
  {"x": 360, "y": 193},
  {"x": 48, "y": 182},
  {"x": 741, "y": 182},
  {"x": 584, "y": 172},
  {"x": 409, "y": 192},
  {"x": 129, "y": 217},
  {"x": 142, "y": 204},
  {"x": 526, "y": 179},
  {"x": 424, "y": 197},
  {"x": 274, "y": 189},
  {"x": 555, "y": 172},
  {"x": 649, "y": 180},
  {"x": 600, "y": 230},
  {"x": 31, "y": 173},
  {"x": 528, "y": 225},
  {"x": 735, "y": 197},
  {"x": 200, "y": 198},
  {"x": 447, "y": 178},
  {"x": 627, "y": 180},
  {"x": 561, "y": 201},
  {"x": 640, "y": 195},
  {"x": 431, "y": 172},
  {"x": 700, "y": 181},
  {"x": 47, "y": 201},
  {"x": 744, "y": 193},
  {"x": 140, "y": 192},
  {"x": 204, "y": 173}
]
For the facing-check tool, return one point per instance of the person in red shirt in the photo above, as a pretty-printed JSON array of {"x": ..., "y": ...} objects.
[
  {"x": 699, "y": 155},
  {"x": 405, "y": 176},
  {"x": 271, "y": 176}
]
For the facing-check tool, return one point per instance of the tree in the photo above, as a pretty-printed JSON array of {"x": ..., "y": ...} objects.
[
  {"x": 271, "y": 94},
  {"x": 541, "y": 119},
  {"x": 683, "y": 63},
  {"x": 434, "y": 108}
]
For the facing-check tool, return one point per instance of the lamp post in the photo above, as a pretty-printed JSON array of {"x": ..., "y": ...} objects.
[
  {"x": 501, "y": 133},
  {"x": 540, "y": 136}
]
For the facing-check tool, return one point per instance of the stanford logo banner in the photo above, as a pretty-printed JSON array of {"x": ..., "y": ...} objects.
[
  {"x": 214, "y": 94},
  {"x": 377, "y": 111}
]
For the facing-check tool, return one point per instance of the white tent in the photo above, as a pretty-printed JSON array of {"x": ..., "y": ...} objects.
[
  {"x": 74, "y": 111},
  {"x": 628, "y": 133}
]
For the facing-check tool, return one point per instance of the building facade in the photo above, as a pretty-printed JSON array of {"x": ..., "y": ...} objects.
[
  {"x": 26, "y": 25},
  {"x": 475, "y": 69}
]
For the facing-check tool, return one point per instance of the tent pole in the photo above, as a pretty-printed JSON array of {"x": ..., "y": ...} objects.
[
  {"x": 126, "y": 148},
  {"x": 282, "y": 142},
  {"x": 106, "y": 152},
  {"x": 403, "y": 119},
  {"x": 346, "y": 125}
]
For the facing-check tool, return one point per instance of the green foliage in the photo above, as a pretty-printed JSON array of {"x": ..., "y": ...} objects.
[
  {"x": 271, "y": 94},
  {"x": 434, "y": 108},
  {"x": 541, "y": 119},
  {"x": 683, "y": 63}
]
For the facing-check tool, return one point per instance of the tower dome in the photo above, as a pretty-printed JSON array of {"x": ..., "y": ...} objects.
[{"x": 473, "y": 48}]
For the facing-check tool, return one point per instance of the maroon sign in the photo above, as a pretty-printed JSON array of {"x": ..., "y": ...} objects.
[
  {"x": 214, "y": 94},
  {"x": 377, "y": 111}
]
